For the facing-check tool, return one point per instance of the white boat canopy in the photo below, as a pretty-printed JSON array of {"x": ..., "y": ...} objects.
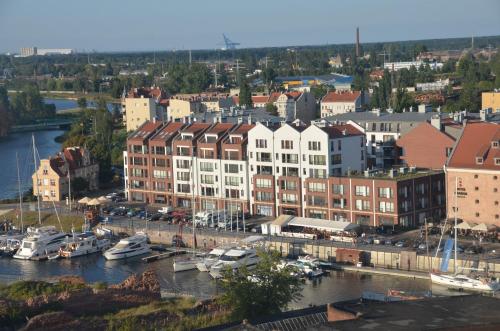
[{"x": 320, "y": 224}]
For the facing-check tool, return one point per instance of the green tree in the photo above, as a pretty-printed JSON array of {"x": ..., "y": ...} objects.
[
  {"x": 319, "y": 91},
  {"x": 245, "y": 95},
  {"x": 271, "y": 109},
  {"x": 265, "y": 290},
  {"x": 82, "y": 103},
  {"x": 402, "y": 100},
  {"x": 4, "y": 112}
]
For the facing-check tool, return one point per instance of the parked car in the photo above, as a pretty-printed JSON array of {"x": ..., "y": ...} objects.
[
  {"x": 107, "y": 209},
  {"x": 378, "y": 241},
  {"x": 155, "y": 217},
  {"x": 401, "y": 243},
  {"x": 389, "y": 242},
  {"x": 473, "y": 250},
  {"x": 111, "y": 195}
]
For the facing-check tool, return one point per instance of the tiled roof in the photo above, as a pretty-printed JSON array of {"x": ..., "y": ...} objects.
[
  {"x": 336, "y": 131},
  {"x": 476, "y": 141},
  {"x": 145, "y": 130},
  {"x": 273, "y": 97},
  {"x": 341, "y": 97},
  {"x": 167, "y": 131},
  {"x": 260, "y": 98}
]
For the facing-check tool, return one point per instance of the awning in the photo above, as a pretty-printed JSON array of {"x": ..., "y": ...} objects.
[
  {"x": 94, "y": 202},
  {"x": 484, "y": 227},
  {"x": 465, "y": 226},
  {"x": 282, "y": 220},
  {"x": 84, "y": 201},
  {"x": 321, "y": 224}
]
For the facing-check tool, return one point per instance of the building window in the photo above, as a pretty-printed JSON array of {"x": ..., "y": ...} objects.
[
  {"x": 338, "y": 189},
  {"x": 52, "y": 182},
  {"x": 261, "y": 143},
  {"x": 317, "y": 187},
  {"x": 495, "y": 190},
  {"x": 479, "y": 160},
  {"x": 362, "y": 191},
  {"x": 477, "y": 201},
  {"x": 477, "y": 214},
  {"x": 476, "y": 176},
  {"x": 476, "y": 188},
  {"x": 287, "y": 144},
  {"x": 495, "y": 177},
  {"x": 314, "y": 146},
  {"x": 496, "y": 203}
]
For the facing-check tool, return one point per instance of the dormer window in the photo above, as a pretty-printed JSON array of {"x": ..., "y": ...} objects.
[
  {"x": 495, "y": 144},
  {"x": 479, "y": 160},
  {"x": 497, "y": 161}
]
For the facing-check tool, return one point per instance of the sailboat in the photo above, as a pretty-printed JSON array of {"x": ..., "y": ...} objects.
[
  {"x": 189, "y": 262},
  {"x": 459, "y": 281}
]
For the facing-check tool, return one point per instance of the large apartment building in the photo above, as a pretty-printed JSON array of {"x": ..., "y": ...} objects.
[
  {"x": 282, "y": 168},
  {"x": 282, "y": 158}
]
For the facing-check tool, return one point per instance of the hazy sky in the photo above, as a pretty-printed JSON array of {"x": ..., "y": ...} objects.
[{"x": 113, "y": 25}]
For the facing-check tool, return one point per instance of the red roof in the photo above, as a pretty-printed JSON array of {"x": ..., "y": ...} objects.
[
  {"x": 294, "y": 95},
  {"x": 273, "y": 97},
  {"x": 146, "y": 92},
  {"x": 341, "y": 97},
  {"x": 476, "y": 141},
  {"x": 337, "y": 131},
  {"x": 260, "y": 98}
]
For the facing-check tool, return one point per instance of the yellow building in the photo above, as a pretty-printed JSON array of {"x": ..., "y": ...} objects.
[
  {"x": 141, "y": 105},
  {"x": 180, "y": 107},
  {"x": 51, "y": 180},
  {"x": 491, "y": 100}
]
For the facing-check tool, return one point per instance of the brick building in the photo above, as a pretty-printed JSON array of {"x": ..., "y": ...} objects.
[{"x": 474, "y": 167}]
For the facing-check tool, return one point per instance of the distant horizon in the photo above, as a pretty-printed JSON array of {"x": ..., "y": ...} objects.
[
  {"x": 84, "y": 51},
  {"x": 118, "y": 26}
]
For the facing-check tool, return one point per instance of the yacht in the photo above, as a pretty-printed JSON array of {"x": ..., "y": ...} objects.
[
  {"x": 84, "y": 244},
  {"x": 466, "y": 283},
  {"x": 128, "y": 247},
  {"x": 10, "y": 247},
  {"x": 40, "y": 243},
  {"x": 234, "y": 259},
  {"x": 186, "y": 263},
  {"x": 212, "y": 258}
]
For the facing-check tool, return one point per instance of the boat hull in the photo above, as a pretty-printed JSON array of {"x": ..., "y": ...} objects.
[
  {"x": 113, "y": 255},
  {"x": 464, "y": 283},
  {"x": 186, "y": 265}
]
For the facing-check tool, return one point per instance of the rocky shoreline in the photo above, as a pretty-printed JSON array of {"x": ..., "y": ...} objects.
[{"x": 136, "y": 301}]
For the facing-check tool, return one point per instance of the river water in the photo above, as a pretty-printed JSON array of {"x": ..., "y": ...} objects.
[
  {"x": 337, "y": 286},
  {"x": 21, "y": 143}
]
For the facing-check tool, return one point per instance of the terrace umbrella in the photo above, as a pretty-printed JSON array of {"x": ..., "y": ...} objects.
[
  {"x": 84, "y": 201},
  {"x": 483, "y": 228},
  {"x": 103, "y": 199},
  {"x": 464, "y": 226},
  {"x": 94, "y": 202}
]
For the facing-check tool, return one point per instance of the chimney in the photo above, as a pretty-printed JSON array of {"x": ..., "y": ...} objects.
[
  {"x": 357, "y": 42},
  {"x": 436, "y": 122},
  {"x": 249, "y": 119}
]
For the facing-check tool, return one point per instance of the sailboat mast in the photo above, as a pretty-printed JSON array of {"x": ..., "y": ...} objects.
[
  {"x": 455, "y": 229},
  {"x": 20, "y": 195},
  {"x": 36, "y": 177},
  {"x": 193, "y": 204}
]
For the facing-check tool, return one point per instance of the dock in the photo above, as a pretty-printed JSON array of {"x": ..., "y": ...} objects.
[
  {"x": 381, "y": 271},
  {"x": 169, "y": 252}
]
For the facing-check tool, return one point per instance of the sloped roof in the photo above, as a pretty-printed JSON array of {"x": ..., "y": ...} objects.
[
  {"x": 341, "y": 96},
  {"x": 476, "y": 141},
  {"x": 336, "y": 131}
]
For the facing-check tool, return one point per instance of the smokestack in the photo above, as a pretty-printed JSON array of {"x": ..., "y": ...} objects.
[{"x": 357, "y": 42}]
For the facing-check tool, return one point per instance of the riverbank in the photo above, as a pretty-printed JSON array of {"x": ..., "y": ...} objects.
[{"x": 70, "y": 303}]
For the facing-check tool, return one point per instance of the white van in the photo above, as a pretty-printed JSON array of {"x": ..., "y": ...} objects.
[
  {"x": 165, "y": 210},
  {"x": 208, "y": 218}
]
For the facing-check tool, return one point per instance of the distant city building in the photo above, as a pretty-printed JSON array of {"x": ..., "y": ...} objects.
[
  {"x": 438, "y": 85},
  {"x": 473, "y": 175},
  {"x": 491, "y": 100},
  {"x": 143, "y": 104},
  {"x": 51, "y": 180},
  {"x": 396, "y": 66},
  {"x": 334, "y": 103},
  {"x": 335, "y": 61},
  {"x": 32, "y": 51},
  {"x": 337, "y": 81},
  {"x": 296, "y": 105}
]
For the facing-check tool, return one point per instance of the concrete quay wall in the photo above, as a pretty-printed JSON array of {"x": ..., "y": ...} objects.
[{"x": 395, "y": 260}]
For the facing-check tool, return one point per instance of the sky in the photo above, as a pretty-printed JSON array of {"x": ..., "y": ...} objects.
[{"x": 123, "y": 25}]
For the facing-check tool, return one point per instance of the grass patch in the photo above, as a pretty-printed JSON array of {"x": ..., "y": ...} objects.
[
  {"x": 23, "y": 290},
  {"x": 31, "y": 219},
  {"x": 178, "y": 312}
]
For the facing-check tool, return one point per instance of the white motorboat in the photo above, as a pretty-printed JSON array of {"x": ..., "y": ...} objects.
[
  {"x": 40, "y": 243},
  {"x": 10, "y": 247},
  {"x": 128, "y": 247},
  {"x": 212, "y": 258},
  {"x": 466, "y": 283},
  {"x": 84, "y": 244},
  {"x": 186, "y": 263},
  {"x": 234, "y": 259}
]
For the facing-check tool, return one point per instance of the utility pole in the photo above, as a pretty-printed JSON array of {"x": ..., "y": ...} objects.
[
  {"x": 37, "y": 184},
  {"x": 190, "y": 59}
]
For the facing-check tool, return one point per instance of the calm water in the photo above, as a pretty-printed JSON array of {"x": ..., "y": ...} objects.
[
  {"x": 62, "y": 104},
  {"x": 21, "y": 143},
  {"x": 337, "y": 286}
]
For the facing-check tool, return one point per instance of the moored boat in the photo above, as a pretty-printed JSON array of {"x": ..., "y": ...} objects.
[{"x": 129, "y": 247}]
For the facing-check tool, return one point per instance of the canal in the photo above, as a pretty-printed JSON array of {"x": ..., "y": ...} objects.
[{"x": 337, "y": 286}]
